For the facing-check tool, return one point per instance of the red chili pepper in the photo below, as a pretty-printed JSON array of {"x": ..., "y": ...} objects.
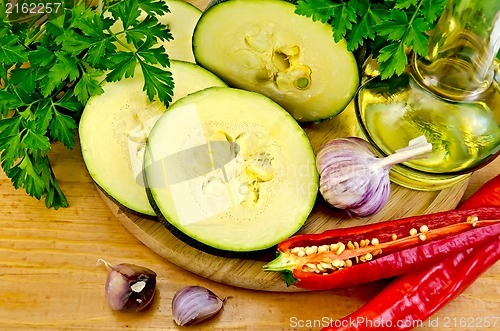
[
  {"x": 486, "y": 195},
  {"x": 414, "y": 297},
  {"x": 350, "y": 256},
  {"x": 411, "y": 299}
]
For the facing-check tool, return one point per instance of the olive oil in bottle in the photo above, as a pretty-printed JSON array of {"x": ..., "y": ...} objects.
[{"x": 450, "y": 96}]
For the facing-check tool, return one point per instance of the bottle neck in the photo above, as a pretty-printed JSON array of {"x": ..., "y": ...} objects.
[{"x": 461, "y": 50}]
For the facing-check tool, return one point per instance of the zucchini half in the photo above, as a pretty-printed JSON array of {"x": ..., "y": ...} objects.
[
  {"x": 114, "y": 126},
  {"x": 230, "y": 172},
  {"x": 263, "y": 46}
]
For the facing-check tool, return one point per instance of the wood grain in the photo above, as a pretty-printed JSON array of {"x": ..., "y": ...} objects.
[{"x": 247, "y": 273}]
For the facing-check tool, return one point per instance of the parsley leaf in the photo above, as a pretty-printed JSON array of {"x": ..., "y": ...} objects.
[
  {"x": 395, "y": 28},
  {"x": 62, "y": 128},
  {"x": 87, "y": 86},
  {"x": 123, "y": 66},
  {"x": 405, "y": 4},
  {"x": 343, "y": 17},
  {"x": 11, "y": 52},
  {"x": 392, "y": 58},
  {"x": 155, "y": 81},
  {"x": 431, "y": 9},
  {"x": 65, "y": 67},
  {"x": 415, "y": 36},
  {"x": 386, "y": 27},
  {"x": 318, "y": 10},
  {"x": 368, "y": 15},
  {"x": 35, "y": 139},
  {"x": 26, "y": 173},
  {"x": 56, "y": 64}
]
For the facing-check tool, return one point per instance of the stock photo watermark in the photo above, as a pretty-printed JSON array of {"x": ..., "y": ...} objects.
[
  {"x": 213, "y": 170},
  {"x": 444, "y": 322}
]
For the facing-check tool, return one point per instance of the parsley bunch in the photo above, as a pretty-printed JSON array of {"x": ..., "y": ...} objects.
[
  {"x": 386, "y": 27},
  {"x": 51, "y": 65}
]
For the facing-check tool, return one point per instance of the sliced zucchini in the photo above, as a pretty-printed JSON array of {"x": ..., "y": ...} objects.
[
  {"x": 263, "y": 46},
  {"x": 181, "y": 21},
  {"x": 230, "y": 171},
  {"x": 114, "y": 127}
]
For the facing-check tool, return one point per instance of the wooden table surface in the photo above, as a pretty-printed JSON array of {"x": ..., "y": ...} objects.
[{"x": 49, "y": 279}]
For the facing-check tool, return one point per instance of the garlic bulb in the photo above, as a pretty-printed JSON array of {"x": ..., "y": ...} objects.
[
  {"x": 194, "y": 304},
  {"x": 353, "y": 178}
]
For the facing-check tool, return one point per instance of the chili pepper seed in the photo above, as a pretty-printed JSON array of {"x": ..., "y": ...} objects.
[
  {"x": 311, "y": 266},
  {"x": 394, "y": 236},
  {"x": 413, "y": 232},
  {"x": 327, "y": 260},
  {"x": 325, "y": 265},
  {"x": 422, "y": 237},
  {"x": 341, "y": 248},
  {"x": 424, "y": 228},
  {"x": 473, "y": 220},
  {"x": 311, "y": 250},
  {"x": 337, "y": 263},
  {"x": 323, "y": 248},
  {"x": 350, "y": 245},
  {"x": 375, "y": 241}
]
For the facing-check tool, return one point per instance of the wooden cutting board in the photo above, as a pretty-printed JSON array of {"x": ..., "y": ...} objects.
[{"x": 248, "y": 273}]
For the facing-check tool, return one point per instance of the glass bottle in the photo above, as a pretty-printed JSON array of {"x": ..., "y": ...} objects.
[{"x": 452, "y": 96}]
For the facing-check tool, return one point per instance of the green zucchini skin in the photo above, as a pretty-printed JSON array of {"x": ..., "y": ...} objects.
[
  {"x": 124, "y": 208},
  {"x": 216, "y": 2},
  {"x": 259, "y": 254}
]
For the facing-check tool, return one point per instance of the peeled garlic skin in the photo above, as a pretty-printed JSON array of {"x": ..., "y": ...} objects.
[
  {"x": 194, "y": 304},
  {"x": 350, "y": 178},
  {"x": 129, "y": 287}
]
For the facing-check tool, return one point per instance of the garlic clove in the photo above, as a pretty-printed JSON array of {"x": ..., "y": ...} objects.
[
  {"x": 194, "y": 304},
  {"x": 129, "y": 287},
  {"x": 354, "y": 178}
]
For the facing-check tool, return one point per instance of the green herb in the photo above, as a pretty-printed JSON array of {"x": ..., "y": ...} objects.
[
  {"x": 388, "y": 28},
  {"x": 51, "y": 65}
]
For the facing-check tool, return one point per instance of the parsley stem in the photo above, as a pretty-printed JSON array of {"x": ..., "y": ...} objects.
[
  {"x": 99, "y": 7},
  {"x": 127, "y": 46},
  {"x": 416, "y": 13},
  {"x": 38, "y": 21},
  {"x": 20, "y": 99},
  {"x": 28, "y": 41}
]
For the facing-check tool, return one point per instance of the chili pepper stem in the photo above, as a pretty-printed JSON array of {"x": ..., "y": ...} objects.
[
  {"x": 417, "y": 147},
  {"x": 282, "y": 262}
]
